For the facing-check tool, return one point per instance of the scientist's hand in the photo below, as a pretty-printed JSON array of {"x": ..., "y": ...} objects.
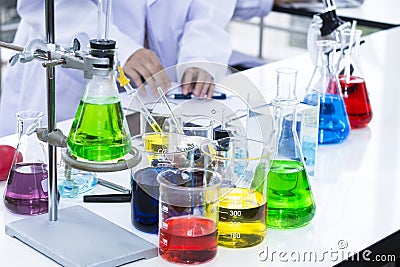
[
  {"x": 145, "y": 64},
  {"x": 199, "y": 82}
]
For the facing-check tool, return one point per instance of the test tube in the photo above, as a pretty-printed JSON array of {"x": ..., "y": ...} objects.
[{"x": 103, "y": 19}]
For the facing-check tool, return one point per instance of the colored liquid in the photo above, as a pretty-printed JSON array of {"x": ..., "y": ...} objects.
[
  {"x": 356, "y": 98},
  {"x": 156, "y": 143},
  {"x": 160, "y": 119},
  {"x": 290, "y": 201},
  {"x": 242, "y": 218},
  {"x": 309, "y": 136},
  {"x": 26, "y": 191},
  {"x": 144, "y": 204},
  {"x": 188, "y": 239},
  {"x": 98, "y": 132},
  {"x": 334, "y": 124},
  {"x": 156, "y": 127},
  {"x": 78, "y": 184}
]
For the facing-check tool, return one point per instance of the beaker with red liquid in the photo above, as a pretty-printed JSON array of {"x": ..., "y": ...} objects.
[
  {"x": 352, "y": 82},
  {"x": 26, "y": 189},
  {"x": 189, "y": 215}
]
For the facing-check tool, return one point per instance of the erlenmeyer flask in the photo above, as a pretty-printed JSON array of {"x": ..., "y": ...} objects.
[
  {"x": 324, "y": 26},
  {"x": 334, "y": 124},
  {"x": 290, "y": 200},
  {"x": 306, "y": 118},
  {"x": 26, "y": 190},
  {"x": 352, "y": 81},
  {"x": 99, "y": 131}
]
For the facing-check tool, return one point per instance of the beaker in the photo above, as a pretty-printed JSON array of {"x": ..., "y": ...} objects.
[
  {"x": 159, "y": 151},
  {"x": 26, "y": 190},
  {"x": 352, "y": 82},
  {"x": 290, "y": 200},
  {"x": 243, "y": 164},
  {"x": 189, "y": 215},
  {"x": 161, "y": 114},
  {"x": 334, "y": 125},
  {"x": 99, "y": 131},
  {"x": 199, "y": 126}
]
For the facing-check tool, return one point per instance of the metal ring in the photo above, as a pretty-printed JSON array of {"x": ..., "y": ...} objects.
[{"x": 134, "y": 158}]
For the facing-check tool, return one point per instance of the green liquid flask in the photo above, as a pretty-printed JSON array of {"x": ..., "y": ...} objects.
[
  {"x": 99, "y": 131},
  {"x": 289, "y": 196}
]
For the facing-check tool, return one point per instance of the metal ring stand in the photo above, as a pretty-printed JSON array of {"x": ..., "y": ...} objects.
[{"x": 130, "y": 161}]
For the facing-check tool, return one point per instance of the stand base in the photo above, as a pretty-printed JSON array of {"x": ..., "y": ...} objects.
[{"x": 81, "y": 238}]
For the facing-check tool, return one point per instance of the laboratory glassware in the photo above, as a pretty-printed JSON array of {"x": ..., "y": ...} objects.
[
  {"x": 290, "y": 200},
  {"x": 306, "y": 116},
  {"x": 159, "y": 151},
  {"x": 324, "y": 26},
  {"x": 310, "y": 110},
  {"x": 26, "y": 190},
  {"x": 189, "y": 215},
  {"x": 73, "y": 183},
  {"x": 161, "y": 115},
  {"x": 124, "y": 82},
  {"x": 352, "y": 82},
  {"x": 243, "y": 164},
  {"x": 334, "y": 125},
  {"x": 99, "y": 131}
]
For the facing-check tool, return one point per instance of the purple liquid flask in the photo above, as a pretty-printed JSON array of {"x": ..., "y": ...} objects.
[{"x": 26, "y": 189}]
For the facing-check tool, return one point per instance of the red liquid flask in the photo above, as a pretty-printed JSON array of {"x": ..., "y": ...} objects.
[
  {"x": 352, "y": 82},
  {"x": 357, "y": 102}
]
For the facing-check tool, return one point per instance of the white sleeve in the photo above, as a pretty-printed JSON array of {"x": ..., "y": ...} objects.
[
  {"x": 204, "y": 37},
  {"x": 74, "y": 19},
  {"x": 246, "y": 9}
]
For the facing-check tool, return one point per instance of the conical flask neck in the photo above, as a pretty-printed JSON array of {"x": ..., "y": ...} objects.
[{"x": 28, "y": 122}]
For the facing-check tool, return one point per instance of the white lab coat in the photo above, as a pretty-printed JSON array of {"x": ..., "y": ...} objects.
[{"x": 180, "y": 31}]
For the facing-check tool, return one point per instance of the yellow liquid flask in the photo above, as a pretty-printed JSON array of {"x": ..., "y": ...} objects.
[
  {"x": 243, "y": 164},
  {"x": 290, "y": 200},
  {"x": 99, "y": 131}
]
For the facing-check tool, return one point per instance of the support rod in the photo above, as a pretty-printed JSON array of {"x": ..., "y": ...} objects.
[{"x": 51, "y": 114}]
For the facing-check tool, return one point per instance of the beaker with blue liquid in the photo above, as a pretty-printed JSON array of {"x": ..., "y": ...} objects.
[{"x": 160, "y": 151}]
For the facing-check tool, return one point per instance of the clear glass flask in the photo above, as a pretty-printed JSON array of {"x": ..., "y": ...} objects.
[
  {"x": 352, "y": 82},
  {"x": 99, "y": 131},
  {"x": 26, "y": 190},
  {"x": 334, "y": 125},
  {"x": 289, "y": 195},
  {"x": 307, "y": 117}
]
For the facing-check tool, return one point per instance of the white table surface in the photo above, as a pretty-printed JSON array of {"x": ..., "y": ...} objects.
[{"x": 355, "y": 189}]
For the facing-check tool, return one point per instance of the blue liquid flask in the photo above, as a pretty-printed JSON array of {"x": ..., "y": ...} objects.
[{"x": 334, "y": 126}]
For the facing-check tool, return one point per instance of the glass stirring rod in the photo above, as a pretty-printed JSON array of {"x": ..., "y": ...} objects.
[
  {"x": 124, "y": 82},
  {"x": 164, "y": 98}
]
